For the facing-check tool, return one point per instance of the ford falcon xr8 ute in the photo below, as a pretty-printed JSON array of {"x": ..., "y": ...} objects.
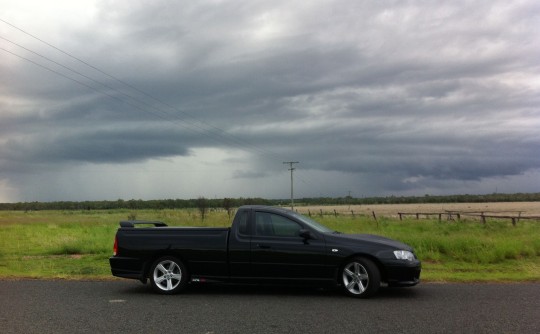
[{"x": 264, "y": 245}]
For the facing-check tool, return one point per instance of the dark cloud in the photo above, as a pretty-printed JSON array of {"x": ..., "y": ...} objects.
[{"x": 407, "y": 97}]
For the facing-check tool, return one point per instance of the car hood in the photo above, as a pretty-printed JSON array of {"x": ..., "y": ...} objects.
[{"x": 371, "y": 238}]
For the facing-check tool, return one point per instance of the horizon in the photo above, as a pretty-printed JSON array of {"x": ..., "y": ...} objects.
[{"x": 287, "y": 200}]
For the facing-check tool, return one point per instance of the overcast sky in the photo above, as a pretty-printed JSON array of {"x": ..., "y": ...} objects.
[{"x": 102, "y": 100}]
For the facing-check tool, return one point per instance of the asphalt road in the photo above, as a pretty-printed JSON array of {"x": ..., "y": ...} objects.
[{"x": 35, "y": 306}]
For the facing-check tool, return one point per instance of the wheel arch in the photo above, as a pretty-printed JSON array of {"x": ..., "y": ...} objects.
[
  {"x": 373, "y": 259},
  {"x": 150, "y": 260}
]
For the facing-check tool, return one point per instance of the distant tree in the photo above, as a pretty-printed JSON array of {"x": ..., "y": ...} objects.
[
  {"x": 228, "y": 204},
  {"x": 202, "y": 205}
]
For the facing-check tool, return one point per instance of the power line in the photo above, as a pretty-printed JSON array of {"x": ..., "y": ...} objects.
[
  {"x": 218, "y": 134},
  {"x": 80, "y": 82},
  {"x": 130, "y": 99},
  {"x": 187, "y": 121}
]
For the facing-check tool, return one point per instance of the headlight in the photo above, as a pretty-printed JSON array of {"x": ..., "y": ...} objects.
[{"x": 404, "y": 255}]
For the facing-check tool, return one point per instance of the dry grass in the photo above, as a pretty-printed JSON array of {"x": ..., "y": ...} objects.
[{"x": 391, "y": 210}]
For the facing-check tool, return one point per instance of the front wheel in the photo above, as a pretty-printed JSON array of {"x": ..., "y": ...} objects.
[
  {"x": 168, "y": 275},
  {"x": 360, "y": 277}
]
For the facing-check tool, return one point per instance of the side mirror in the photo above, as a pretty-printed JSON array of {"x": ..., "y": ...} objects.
[{"x": 306, "y": 234}]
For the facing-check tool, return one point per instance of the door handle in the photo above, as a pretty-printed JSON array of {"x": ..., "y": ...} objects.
[{"x": 263, "y": 246}]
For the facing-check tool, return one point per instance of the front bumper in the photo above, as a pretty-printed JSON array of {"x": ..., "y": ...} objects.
[{"x": 403, "y": 273}]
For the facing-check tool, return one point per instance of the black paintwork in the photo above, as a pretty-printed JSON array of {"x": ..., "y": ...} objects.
[{"x": 245, "y": 253}]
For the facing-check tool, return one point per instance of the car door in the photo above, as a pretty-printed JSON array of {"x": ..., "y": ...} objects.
[
  {"x": 239, "y": 246},
  {"x": 278, "y": 252}
]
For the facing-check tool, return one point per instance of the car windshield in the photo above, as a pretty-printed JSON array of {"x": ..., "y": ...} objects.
[{"x": 311, "y": 223}]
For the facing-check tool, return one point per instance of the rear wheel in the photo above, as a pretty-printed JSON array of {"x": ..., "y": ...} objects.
[
  {"x": 168, "y": 275},
  {"x": 360, "y": 277}
]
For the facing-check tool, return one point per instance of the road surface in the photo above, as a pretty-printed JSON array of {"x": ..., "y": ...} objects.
[{"x": 125, "y": 306}]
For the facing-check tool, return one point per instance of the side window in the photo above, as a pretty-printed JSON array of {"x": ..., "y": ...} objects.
[
  {"x": 263, "y": 224},
  {"x": 284, "y": 227},
  {"x": 243, "y": 223},
  {"x": 269, "y": 224}
]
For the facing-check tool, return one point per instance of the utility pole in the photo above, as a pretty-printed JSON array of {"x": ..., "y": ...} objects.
[{"x": 290, "y": 163}]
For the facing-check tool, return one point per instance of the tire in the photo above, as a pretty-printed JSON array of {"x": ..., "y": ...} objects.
[
  {"x": 360, "y": 277},
  {"x": 168, "y": 275}
]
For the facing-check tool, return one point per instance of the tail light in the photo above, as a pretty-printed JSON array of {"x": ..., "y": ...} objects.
[{"x": 115, "y": 247}]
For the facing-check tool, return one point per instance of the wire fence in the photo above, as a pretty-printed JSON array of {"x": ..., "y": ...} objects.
[{"x": 446, "y": 215}]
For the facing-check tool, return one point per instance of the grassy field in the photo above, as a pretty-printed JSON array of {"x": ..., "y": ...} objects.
[{"x": 77, "y": 244}]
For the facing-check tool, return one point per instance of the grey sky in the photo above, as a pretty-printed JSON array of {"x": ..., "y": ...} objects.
[{"x": 372, "y": 97}]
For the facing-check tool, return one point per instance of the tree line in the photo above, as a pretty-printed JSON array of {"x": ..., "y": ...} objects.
[
  {"x": 134, "y": 204},
  {"x": 495, "y": 197}
]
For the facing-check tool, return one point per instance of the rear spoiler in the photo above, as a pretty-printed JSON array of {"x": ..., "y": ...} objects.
[{"x": 132, "y": 223}]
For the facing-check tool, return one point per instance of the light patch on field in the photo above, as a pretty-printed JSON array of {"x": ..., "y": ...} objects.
[{"x": 391, "y": 210}]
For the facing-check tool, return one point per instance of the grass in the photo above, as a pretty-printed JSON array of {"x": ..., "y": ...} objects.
[
  {"x": 465, "y": 251},
  {"x": 77, "y": 244}
]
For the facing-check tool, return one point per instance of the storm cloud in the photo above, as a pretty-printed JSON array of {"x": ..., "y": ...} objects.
[{"x": 160, "y": 99}]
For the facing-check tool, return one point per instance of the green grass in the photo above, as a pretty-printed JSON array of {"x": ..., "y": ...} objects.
[
  {"x": 77, "y": 244},
  {"x": 465, "y": 251}
]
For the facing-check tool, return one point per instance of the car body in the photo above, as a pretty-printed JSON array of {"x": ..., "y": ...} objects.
[{"x": 263, "y": 245}]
